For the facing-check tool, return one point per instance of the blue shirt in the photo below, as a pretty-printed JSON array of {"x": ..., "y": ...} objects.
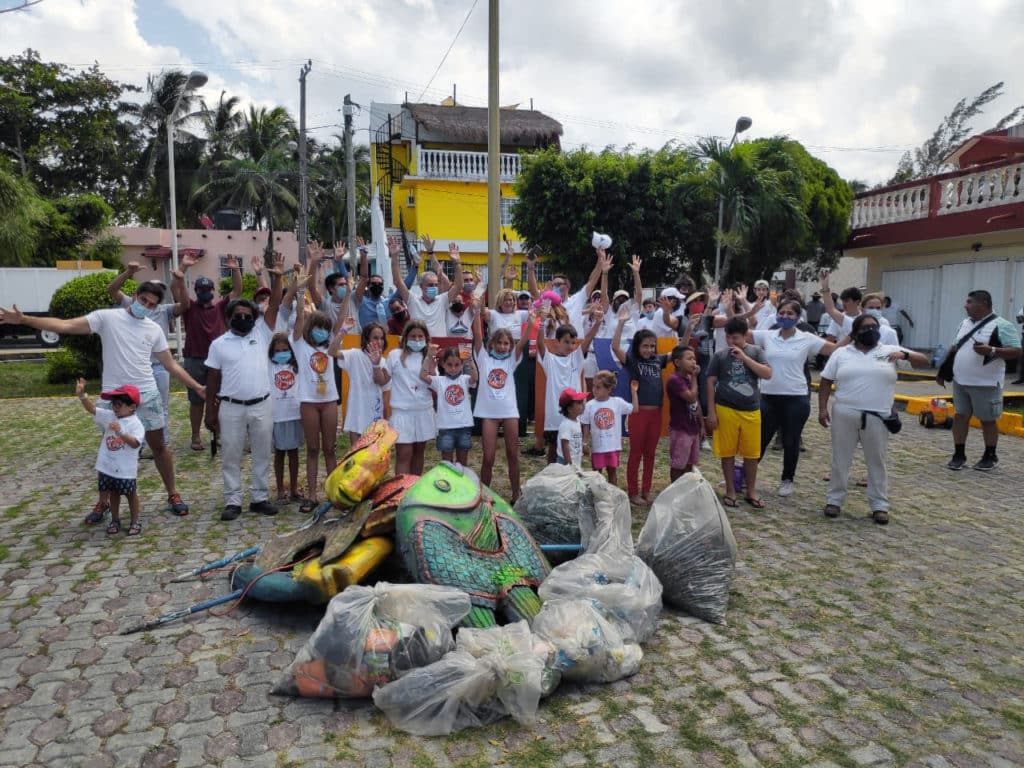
[{"x": 373, "y": 310}]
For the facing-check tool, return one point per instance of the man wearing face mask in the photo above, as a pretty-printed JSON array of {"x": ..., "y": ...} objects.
[
  {"x": 238, "y": 399},
  {"x": 372, "y": 305},
  {"x": 426, "y": 302},
  {"x": 203, "y": 319}
]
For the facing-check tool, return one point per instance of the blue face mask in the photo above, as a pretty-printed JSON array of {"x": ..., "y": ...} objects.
[
  {"x": 282, "y": 358},
  {"x": 319, "y": 336},
  {"x": 785, "y": 323},
  {"x": 649, "y": 315},
  {"x": 340, "y": 291},
  {"x": 875, "y": 313},
  {"x": 430, "y": 291},
  {"x": 140, "y": 311},
  {"x": 499, "y": 355},
  {"x": 416, "y": 346}
]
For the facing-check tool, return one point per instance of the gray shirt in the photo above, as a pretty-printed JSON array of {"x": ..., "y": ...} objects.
[{"x": 737, "y": 386}]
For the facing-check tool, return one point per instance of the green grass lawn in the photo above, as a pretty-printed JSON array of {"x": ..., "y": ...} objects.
[{"x": 27, "y": 378}]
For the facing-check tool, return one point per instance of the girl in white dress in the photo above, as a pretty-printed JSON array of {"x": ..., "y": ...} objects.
[
  {"x": 412, "y": 406},
  {"x": 368, "y": 377}
]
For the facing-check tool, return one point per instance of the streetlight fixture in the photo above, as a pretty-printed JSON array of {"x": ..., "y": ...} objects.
[
  {"x": 742, "y": 124},
  {"x": 195, "y": 80}
]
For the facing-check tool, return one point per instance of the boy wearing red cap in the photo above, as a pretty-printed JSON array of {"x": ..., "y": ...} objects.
[{"x": 117, "y": 463}]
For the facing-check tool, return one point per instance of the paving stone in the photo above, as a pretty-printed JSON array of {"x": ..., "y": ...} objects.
[{"x": 872, "y": 754}]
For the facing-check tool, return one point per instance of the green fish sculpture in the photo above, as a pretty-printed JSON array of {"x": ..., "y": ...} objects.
[{"x": 454, "y": 531}]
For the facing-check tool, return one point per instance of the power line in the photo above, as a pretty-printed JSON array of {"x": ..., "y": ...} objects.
[{"x": 445, "y": 57}]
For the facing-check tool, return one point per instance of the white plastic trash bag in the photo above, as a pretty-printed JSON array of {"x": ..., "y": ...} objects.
[
  {"x": 606, "y": 526},
  {"x": 371, "y": 635},
  {"x": 688, "y": 543},
  {"x": 492, "y": 673},
  {"x": 591, "y": 645},
  {"x": 624, "y": 585}
]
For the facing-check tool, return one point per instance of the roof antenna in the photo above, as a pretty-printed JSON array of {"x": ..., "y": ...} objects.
[
  {"x": 454, "y": 100},
  {"x": 531, "y": 103}
]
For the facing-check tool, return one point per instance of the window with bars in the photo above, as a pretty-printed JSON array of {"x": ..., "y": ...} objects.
[
  {"x": 507, "y": 204},
  {"x": 225, "y": 271}
]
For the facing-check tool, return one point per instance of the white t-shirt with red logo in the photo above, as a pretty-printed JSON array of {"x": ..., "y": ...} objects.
[
  {"x": 116, "y": 458},
  {"x": 284, "y": 392},
  {"x": 496, "y": 387},
  {"x": 563, "y": 372},
  {"x": 604, "y": 417},
  {"x": 454, "y": 409},
  {"x": 365, "y": 401},
  {"x": 316, "y": 373}
]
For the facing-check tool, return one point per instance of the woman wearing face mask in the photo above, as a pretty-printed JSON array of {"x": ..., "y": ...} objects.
[
  {"x": 785, "y": 397},
  {"x": 864, "y": 375},
  {"x": 412, "y": 406},
  {"x": 399, "y": 317}
]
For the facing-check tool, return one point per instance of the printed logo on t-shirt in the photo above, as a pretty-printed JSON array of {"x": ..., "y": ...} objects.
[
  {"x": 454, "y": 394},
  {"x": 115, "y": 442},
  {"x": 496, "y": 378},
  {"x": 284, "y": 380},
  {"x": 604, "y": 418},
  {"x": 318, "y": 362}
]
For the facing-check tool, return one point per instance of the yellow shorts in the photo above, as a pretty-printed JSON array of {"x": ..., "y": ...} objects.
[{"x": 738, "y": 433}]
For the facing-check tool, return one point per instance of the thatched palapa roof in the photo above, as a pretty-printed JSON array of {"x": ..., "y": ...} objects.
[{"x": 468, "y": 125}]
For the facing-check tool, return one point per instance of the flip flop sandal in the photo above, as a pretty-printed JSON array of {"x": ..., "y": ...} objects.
[
  {"x": 307, "y": 507},
  {"x": 197, "y": 445},
  {"x": 135, "y": 528},
  {"x": 755, "y": 503},
  {"x": 729, "y": 501},
  {"x": 114, "y": 528}
]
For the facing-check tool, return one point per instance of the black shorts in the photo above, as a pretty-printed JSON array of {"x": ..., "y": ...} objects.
[
  {"x": 122, "y": 486},
  {"x": 550, "y": 437}
]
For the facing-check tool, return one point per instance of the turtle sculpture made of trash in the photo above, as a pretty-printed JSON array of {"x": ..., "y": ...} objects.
[{"x": 454, "y": 531}]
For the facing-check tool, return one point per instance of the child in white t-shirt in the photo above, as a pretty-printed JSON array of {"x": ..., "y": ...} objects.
[
  {"x": 117, "y": 463},
  {"x": 284, "y": 405},
  {"x": 570, "y": 435},
  {"x": 454, "y": 409},
  {"x": 602, "y": 423}
]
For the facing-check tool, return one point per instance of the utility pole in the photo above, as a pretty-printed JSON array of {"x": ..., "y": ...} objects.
[
  {"x": 493, "y": 157},
  {"x": 350, "y": 174},
  {"x": 303, "y": 196}
]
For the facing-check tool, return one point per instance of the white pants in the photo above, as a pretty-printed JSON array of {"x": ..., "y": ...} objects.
[
  {"x": 163, "y": 385},
  {"x": 874, "y": 437},
  {"x": 235, "y": 421}
]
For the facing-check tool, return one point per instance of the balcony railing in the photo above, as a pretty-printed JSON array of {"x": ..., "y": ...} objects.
[
  {"x": 456, "y": 165},
  {"x": 956, "y": 192}
]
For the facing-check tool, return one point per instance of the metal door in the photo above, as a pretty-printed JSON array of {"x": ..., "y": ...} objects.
[{"x": 913, "y": 290}]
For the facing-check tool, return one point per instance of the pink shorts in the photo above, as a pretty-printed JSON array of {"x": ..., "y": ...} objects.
[
  {"x": 683, "y": 448},
  {"x": 604, "y": 460}
]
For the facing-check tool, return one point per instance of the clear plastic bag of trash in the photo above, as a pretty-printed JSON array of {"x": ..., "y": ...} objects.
[
  {"x": 624, "y": 585},
  {"x": 492, "y": 673},
  {"x": 592, "y": 646},
  {"x": 607, "y": 526},
  {"x": 371, "y": 635},
  {"x": 599, "y": 240},
  {"x": 480, "y": 642},
  {"x": 553, "y": 501},
  {"x": 689, "y": 545}
]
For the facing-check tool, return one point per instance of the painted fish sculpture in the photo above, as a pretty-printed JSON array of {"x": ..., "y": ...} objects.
[{"x": 453, "y": 530}]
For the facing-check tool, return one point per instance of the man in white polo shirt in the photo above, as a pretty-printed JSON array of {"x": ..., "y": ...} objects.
[
  {"x": 238, "y": 398},
  {"x": 983, "y": 344}
]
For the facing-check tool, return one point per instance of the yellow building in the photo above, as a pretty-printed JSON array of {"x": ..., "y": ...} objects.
[{"x": 429, "y": 162}]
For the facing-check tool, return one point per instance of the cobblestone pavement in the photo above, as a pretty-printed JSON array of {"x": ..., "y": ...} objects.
[{"x": 847, "y": 644}]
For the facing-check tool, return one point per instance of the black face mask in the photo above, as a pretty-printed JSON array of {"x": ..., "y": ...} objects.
[
  {"x": 204, "y": 296},
  {"x": 242, "y": 323},
  {"x": 401, "y": 315},
  {"x": 376, "y": 290},
  {"x": 458, "y": 307},
  {"x": 868, "y": 337}
]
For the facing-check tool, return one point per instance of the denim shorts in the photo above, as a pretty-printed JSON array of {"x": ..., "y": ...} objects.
[{"x": 458, "y": 439}]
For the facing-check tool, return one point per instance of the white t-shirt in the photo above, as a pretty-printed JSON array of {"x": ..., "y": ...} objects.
[
  {"x": 408, "y": 391},
  {"x": 604, "y": 417},
  {"x": 765, "y": 317},
  {"x": 574, "y": 306},
  {"x": 365, "y": 401},
  {"x": 865, "y": 381},
  {"x": 513, "y": 321},
  {"x": 316, "y": 373},
  {"x": 892, "y": 314},
  {"x": 459, "y": 325},
  {"x": 434, "y": 314},
  {"x": 572, "y": 431},
  {"x": 969, "y": 368},
  {"x": 562, "y": 373},
  {"x": 332, "y": 309},
  {"x": 116, "y": 458},
  {"x": 496, "y": 387},
  {"x": 242, "y": 361},
  {"x": 284, "y": 393},
  {"x": 787, "y": 358},
  {"x": 611, "y": 321},
  {"x": 664, "y": 331},
  {"x": 128, "y": 346},
  {"x": 163, "y": 316},
  {"x": 454, "y": 409}
]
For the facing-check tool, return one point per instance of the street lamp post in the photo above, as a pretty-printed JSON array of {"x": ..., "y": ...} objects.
[
  {"x": 742, "y": 123},
  {"x": 195, "y": 80}
]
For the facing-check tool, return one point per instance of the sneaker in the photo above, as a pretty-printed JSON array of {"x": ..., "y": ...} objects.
[
  {"x": 786, "y": 488},
  {"x": 231, "y": 511},
  {"x": 178, "y": 507},
  {"x": 263, "y": 507},
  {"x": 831, "y": 510},
  {"x": 98, "y": 514},
  {"x": 987, "y": 463},
  {"x": 705, "y": 444},
  {"x": 958, "y": 462}
]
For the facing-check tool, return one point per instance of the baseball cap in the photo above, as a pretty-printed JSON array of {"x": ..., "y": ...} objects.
[
  {"x": 620, "y": 293},
  {"x": 204, "y": 284},
  {"x": 132, "y": 393},
  {"x": 570, "y": 396},
  {"x": 524, "y": 294},
  {"x": 672, "y": 293},
  {"x": 261, "y": 291},
  {"x": 761, "y": 284}
]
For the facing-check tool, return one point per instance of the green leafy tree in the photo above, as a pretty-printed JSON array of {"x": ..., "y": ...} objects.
[
  {"x": 22, "y": 213},
  {"x": 79, "y": 297},
  {"x": 328, "y": 193}
]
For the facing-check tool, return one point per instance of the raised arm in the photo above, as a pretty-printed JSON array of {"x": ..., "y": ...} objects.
[
  {"x": 478, "y": 331},
  {"x": 826, "y": 297},
  {"x": 455, "y": 257},
  {"x": 364, "y": 277},
  {"x": 429, "y": 366},
  {"x": 167, "y": 360},
  {"x": 83, "y": 398},
  {"x": 524, "y": 340},
  {"x": 232, "y": 263},
  {"x": 114, "y": 289},
  {"x": 597, "y": 271},
  {"x": 256, "y": 262},
  {"x": 594, "y": 328},
  {"x": 315, "y": 257},
  {"x": 395, "y": 248},
  {"x": 617, "y": 336},
  {"x": 638, "y": 286},
  {"x": 300, "y": 305}
]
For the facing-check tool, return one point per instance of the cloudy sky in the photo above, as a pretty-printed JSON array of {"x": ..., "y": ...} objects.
[{"x": 857, "y": 81}]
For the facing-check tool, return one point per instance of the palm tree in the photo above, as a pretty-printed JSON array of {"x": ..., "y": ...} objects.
[
  {"x": 328, "y": 192},
  {"x": 222, "y": 125},
  {"x": 762, "y": 210},
  {"x": 164, "y": 91}
]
